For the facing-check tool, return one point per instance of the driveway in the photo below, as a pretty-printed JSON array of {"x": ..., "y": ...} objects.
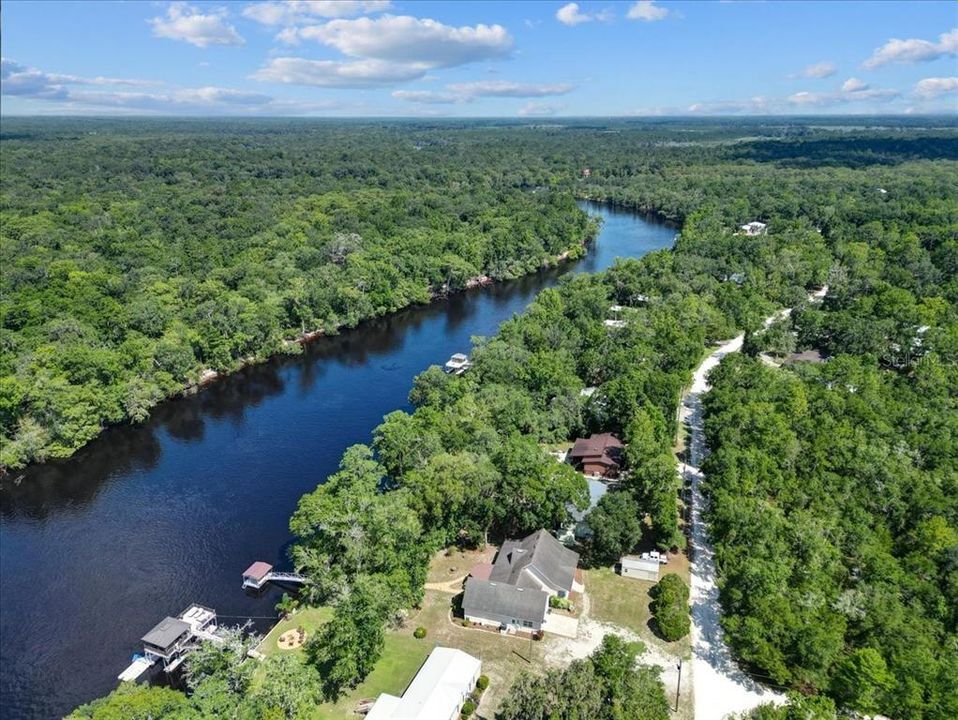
[{"x": 563, "y": 625}]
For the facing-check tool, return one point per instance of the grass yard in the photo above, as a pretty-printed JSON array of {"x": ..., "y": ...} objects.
[
  {"x": 308, "y": 618},
  {"x": 402, "y": 657},
  {"x": 625, "y": 602},
  {"x": 447, "y": 565}
]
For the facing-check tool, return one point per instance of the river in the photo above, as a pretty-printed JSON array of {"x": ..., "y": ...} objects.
[{"x": 97, "y": 549}]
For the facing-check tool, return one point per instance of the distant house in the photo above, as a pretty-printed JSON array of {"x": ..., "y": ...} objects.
[
  {"x": 754, "y": 228},
  {"x": 641, "y": 568},
  {"x": 586, "y": 172},
  {"x": 599, "y": 455},
  {"x": 438, "y": 692},
  {"x": 514, "y": 592}
]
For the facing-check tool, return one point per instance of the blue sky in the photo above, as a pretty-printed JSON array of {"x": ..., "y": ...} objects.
[{"x": 508, "y": 59}]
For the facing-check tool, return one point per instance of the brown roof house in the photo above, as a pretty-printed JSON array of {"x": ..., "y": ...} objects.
[
  {"x": 599, "y": 455},
  {"x": 515, "y": 592}
]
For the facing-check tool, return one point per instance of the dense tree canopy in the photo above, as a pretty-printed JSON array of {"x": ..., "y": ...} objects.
[{"x": 142, "y": 256}]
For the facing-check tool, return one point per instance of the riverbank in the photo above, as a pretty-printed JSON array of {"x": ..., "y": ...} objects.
[
  {"x": 178, "y": 506},
  {"x": 293, "y": 346}
]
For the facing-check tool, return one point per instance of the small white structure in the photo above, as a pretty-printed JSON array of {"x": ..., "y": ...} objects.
[
  {"x": 754, "y": 228},
  {"x": 457, "y": 364},
  {"x": 639, "y": 568},
  {"x": 438, "y": 692},
  {"x": 611, "y": 323}
]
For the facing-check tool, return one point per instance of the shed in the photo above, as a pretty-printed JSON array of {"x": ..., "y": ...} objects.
[{"x": 639, "y": 568}]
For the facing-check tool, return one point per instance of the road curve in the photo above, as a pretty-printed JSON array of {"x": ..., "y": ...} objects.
[{"x": 719, "y": 686}]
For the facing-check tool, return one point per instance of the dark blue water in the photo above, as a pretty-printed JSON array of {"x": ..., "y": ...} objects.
[{"x": 96, "y": 550}]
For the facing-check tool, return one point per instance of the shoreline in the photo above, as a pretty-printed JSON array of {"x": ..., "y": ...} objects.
[{"x": 208, "y": 376}]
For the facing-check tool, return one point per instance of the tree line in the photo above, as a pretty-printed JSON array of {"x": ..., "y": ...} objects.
[{"x": 832, "y": 485}]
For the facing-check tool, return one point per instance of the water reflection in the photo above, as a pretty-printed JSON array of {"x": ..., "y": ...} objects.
[{"x": 146, "y": 519}]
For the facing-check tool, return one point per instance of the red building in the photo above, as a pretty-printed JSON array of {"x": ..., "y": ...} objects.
[{"x": 599, "y": 455}]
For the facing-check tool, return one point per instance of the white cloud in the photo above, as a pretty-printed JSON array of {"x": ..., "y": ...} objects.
[
  {"x": 647, "y": 11},
  {"x": 854, "y": 85},
  {"x": 468, "y": 92},
  {"x": 405, "y": 39},
  {"x": 505, "y": 88},
  {"x": 914, "y": 50},
  {"x": 571, "y": 15},
  {"x": 336, "y": 74},
  {"x": 187, "y": 23},
  {"x": 290, "y": 12},
  {"x": 822, "y": 69},
  {"x": 809, "y": 98},
  {"x": 430, "y": 97},
  {"x": 931, "y": 88},
  {"x": 538, "y": 109},
  {"x": 72, "y": 93},
  {"x": 18, "y": 79},
  {"x": 755, "y": 105},
  {"x": 852, "y": 90}
]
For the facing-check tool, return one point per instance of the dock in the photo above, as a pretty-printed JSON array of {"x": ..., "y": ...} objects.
[
  {"x": 172, "y": 639},
  {"x": 260, "y": 573}
]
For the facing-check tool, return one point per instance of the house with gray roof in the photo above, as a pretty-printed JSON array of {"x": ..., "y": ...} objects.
[{"x": 515, "y": 591}]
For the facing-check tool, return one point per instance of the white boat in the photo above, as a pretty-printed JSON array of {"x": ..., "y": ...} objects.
[{"x": 457, "y": 364}]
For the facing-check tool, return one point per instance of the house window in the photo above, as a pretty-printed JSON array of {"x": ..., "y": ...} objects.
[{"x": 526, "y": 623}]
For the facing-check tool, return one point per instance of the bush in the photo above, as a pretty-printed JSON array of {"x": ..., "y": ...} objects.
[
  {"x": 468, "y": 708},
  {"x": 559, "y": 602},
  {"x": 420, "y": 632},
  {"x": 482, "y": 683},
  {"x": 670, "y": 607}
]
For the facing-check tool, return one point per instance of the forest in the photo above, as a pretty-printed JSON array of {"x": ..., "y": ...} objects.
[
  {"x": 140, "y": 257},
  {"x": 832, "y": 484}
]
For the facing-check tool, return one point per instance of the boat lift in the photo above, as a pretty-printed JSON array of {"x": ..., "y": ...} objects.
[
  {"x": 172, "y": 639},
  {"x": 260, "y": 573}
]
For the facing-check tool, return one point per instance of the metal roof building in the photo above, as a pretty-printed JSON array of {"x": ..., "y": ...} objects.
[{"x": 438, "y": 691}]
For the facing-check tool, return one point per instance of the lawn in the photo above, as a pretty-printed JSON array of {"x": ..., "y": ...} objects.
[
  {"x": 625, "y": 602},
  {"x": 447, "y": 565},
  {"x": 402, "y": 657},
  {"x": 308, "y": 618}
]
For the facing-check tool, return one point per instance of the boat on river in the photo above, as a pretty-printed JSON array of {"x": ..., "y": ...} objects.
[{"x": 457, "y": 364}]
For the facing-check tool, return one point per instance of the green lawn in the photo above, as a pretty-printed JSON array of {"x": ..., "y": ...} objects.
[
  {"x": 308, "y": 618},
  {"x": 402, "y": 657},
  {"x": 619, "y": 600}
]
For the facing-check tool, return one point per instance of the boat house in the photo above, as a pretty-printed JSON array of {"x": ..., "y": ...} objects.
[{"x": 172, "y": 639}]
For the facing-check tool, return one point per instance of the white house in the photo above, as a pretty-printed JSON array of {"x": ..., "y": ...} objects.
[
  {"x": 438, "y": 692},
  {"x": 514, "y": 592},
  {"x": 754, "y": 228}
]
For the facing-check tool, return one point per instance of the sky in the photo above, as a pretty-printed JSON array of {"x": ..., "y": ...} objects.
[{"x": 478, "y": 59}]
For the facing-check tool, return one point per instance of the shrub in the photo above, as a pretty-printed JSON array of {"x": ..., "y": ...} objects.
[
  {"x": 482, "y": 683},
  {"x": 420, "y": 632},
  {"x": 468, "y": 708},
  {"x": 670, "y": 607},
  {"x": 559, "y": 602}
]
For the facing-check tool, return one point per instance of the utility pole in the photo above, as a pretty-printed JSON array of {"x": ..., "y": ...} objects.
[{"x": 678, "y": 686}]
